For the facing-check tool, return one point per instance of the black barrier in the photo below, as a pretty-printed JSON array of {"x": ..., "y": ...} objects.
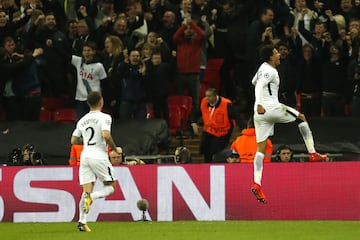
[
  {"x": 332, "y": 135},
  {"x": 52, "y": 139}
]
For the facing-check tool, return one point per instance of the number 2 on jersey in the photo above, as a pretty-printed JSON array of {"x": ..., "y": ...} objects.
[{"x": 92, "y": 132}]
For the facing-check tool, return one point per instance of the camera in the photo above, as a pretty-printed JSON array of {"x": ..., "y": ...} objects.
[
  {"x": 36, "y": 159},
  {"x": 15, "y": 157},
  {"x": 182, "y": 155},
  {"x": 25, "y": 156}
]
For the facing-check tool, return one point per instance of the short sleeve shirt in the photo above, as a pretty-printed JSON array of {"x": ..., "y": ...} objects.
[{"x": 90, "y": 127}]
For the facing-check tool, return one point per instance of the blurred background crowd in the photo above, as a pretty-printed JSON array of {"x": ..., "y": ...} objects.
[{"x": 142, "y": 51}]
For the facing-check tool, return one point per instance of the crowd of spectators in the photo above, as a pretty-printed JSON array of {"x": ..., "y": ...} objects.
[{"x": 149, "y": 49}]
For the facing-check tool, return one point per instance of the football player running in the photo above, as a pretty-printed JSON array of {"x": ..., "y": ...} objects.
[{"x": 93, "y": 130}]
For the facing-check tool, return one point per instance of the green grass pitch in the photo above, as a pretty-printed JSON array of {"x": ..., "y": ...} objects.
[{"x": 187, "y": 230}]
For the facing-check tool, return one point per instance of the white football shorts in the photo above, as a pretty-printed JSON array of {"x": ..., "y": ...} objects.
[
  {"x": 90, "y": 168},
  {"x": 264, "y": 123}
]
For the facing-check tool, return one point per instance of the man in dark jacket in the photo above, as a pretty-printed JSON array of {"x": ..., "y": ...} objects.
[
  {"x": 130, "y": 87},
  {"x": 55, "y": 46},
  {"x": 8, "y": 28},
  {"x": 20, "y": 88},
  {"x": 160, "y": 73}
]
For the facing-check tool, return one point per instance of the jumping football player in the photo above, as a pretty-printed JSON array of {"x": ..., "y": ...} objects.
[{"x": 268, "y": 111}]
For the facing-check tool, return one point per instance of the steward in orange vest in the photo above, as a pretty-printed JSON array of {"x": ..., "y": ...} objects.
[
  {"x": 216, "y": 118},
  {"x": 245, "y": 145},
  {"x": 75, "y": 152},
  {"x": 216, "y": 113}
]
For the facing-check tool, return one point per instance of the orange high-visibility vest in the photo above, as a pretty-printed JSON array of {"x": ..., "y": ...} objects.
[
  {"x": 75, "y": 152},
  {"x": 245, "y": 145},
  {"x": 216, "y": 119}
]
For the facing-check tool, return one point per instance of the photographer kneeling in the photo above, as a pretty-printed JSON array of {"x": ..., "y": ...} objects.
[{"x": 26, "y": 156}]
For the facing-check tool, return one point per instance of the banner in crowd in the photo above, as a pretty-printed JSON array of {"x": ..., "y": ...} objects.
[{"x": 295, "y": 191}]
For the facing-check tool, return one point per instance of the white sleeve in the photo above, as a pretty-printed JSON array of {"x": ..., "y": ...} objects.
[
  {"x": 76, "y": 132},
  {"x": 141, "y": 31},
  {"x": 75, "y": 60},
  {"x": 263, "y": 79},
  {"x": 106, "y": 123},
  {"x": 258, "y": 93},
  {"x": 102, "y": 72}
]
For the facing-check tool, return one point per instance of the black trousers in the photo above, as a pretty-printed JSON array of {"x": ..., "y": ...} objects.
[
  {"x": 31, "y": 107},
  {"x": 161, "y": 109},
  {"x": 12, "y": 108},
  {"x": 210, "y": 145}
]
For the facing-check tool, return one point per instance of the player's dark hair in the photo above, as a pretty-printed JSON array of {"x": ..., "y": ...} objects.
[
  {"x": 266, "y": 52},
  {"x": 93, "y": 99}
]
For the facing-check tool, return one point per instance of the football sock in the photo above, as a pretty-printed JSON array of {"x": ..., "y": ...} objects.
[
  {"x": 258, "y": 167},
  {"x": 82, "y": 215},
  {"x": 104, "y": 192},
  {"x": 307, "y": 136}
]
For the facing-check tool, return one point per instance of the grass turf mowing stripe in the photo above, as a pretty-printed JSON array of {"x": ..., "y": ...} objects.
[{"x": 193, "y": 230}]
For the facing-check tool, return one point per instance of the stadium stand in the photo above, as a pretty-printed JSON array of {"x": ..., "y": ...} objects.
[{"x": 65, "y": 115}]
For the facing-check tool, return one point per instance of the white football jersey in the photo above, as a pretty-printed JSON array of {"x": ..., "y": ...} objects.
[
  {"x": 266, "y": 82},
  {"x": 92, "y": 73},
  {"x": 90, "y": 127}
]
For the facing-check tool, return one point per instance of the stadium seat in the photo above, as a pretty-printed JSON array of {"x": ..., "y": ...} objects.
[
  {"x": 212, "y": 73},
  {"x": 174, "y": 119},
  {"x": 52, "y": 103},
  {"x": 46, "y": 115},
  {"x": 184, "y": 103},
  {"x": 65, "y": 115},
  {"x": 214, "y": 63}
]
